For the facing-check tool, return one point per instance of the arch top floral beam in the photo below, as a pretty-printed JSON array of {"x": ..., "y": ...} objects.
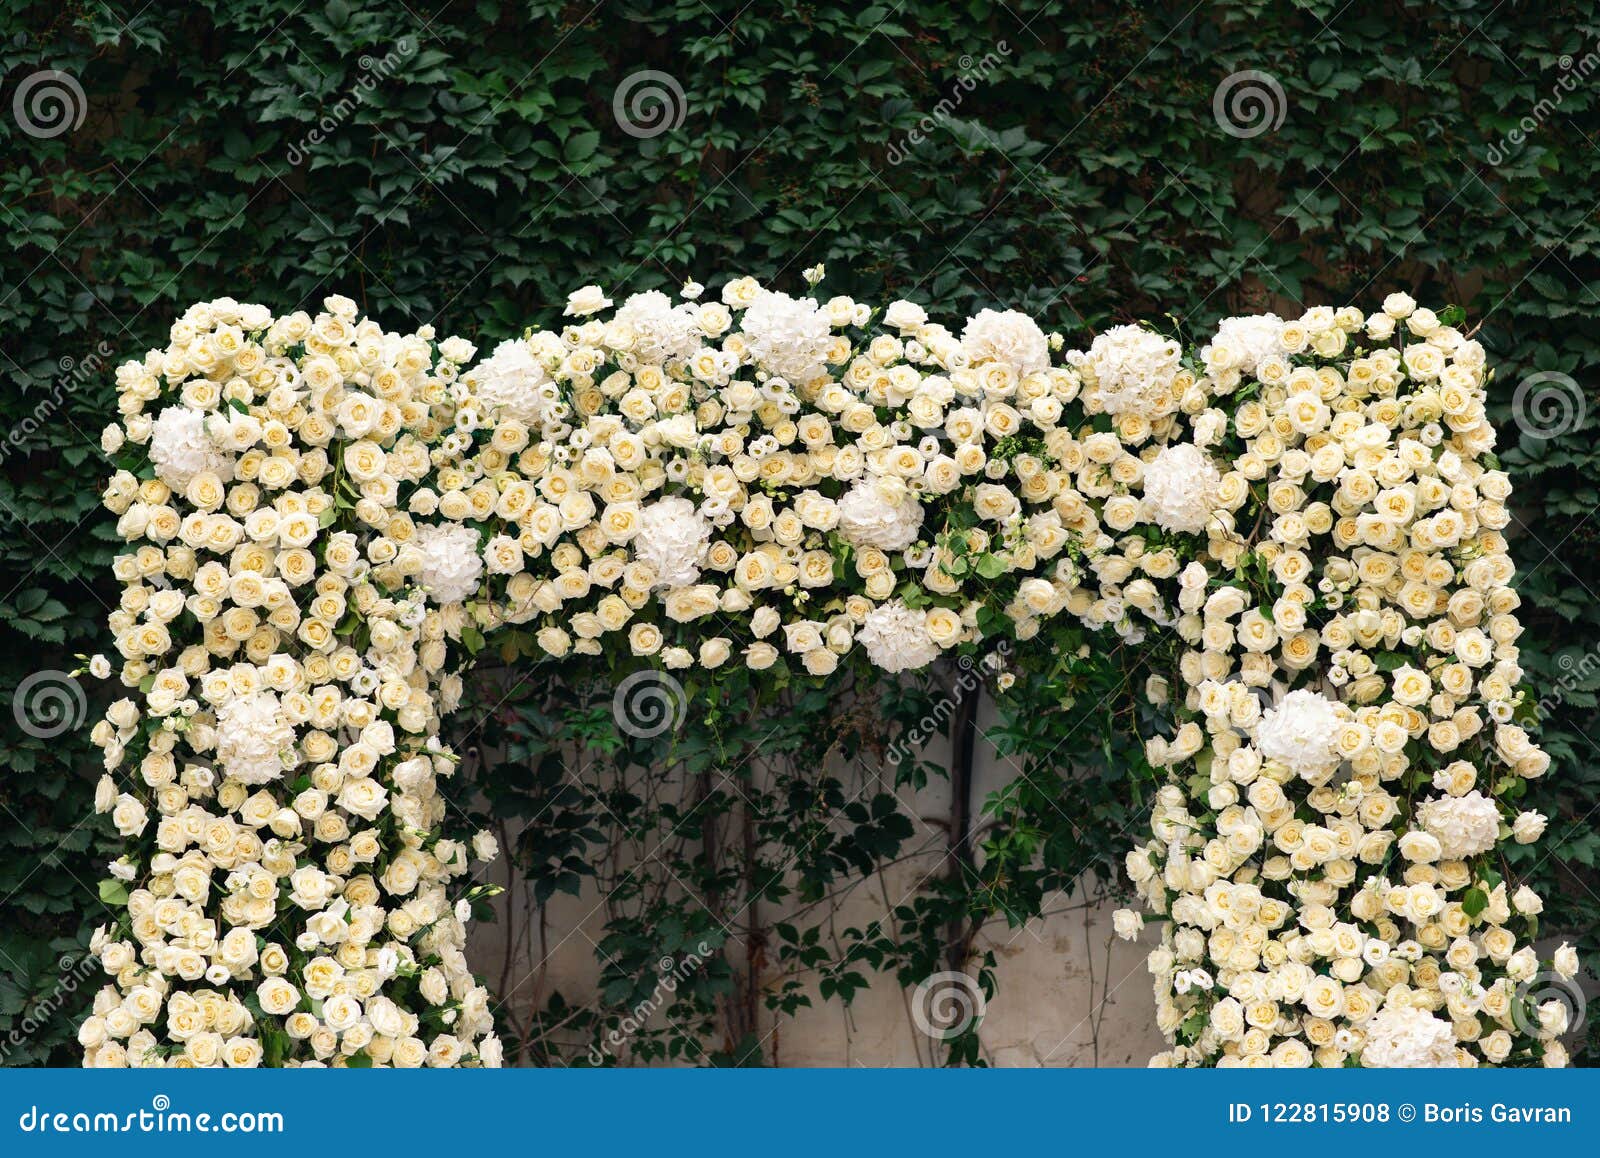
[{"x": 1299, "y": 520}]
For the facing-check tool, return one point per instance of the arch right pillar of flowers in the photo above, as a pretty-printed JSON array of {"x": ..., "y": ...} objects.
[{"x": 1300, "y": 522}]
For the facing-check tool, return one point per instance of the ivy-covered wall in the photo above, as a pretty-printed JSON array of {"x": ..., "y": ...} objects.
[{"x": 469, "y": 163}]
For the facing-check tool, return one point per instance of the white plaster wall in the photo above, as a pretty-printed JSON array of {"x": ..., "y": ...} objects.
[{"x": 1069, "y": 993}]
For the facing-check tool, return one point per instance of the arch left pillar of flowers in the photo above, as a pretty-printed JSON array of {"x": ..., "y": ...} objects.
[{"x": 1294, "y": 522}]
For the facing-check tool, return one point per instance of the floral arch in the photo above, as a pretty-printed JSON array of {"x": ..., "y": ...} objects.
[{"x": 1299, "y": 520}]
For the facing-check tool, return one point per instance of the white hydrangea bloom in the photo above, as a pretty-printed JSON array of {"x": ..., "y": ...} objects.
[
  {"x": 897, "y": 638},
  {"x": 661, "y": 332},
  {"x": 1302, "y": 732},
  {"x": 789, "y": 337},
  {"x": 1010, "y": 337},
  {"x": 255, "y": 742},
  {"x": 1401, "y": 1037},
  {"x": 451, "y": 564},
  {"x": 1463, "y": 825},
  {"x": 1241, "y": 343},
  {"x": 873, "y": 514},
  {"x": 512, "y": 383},
  {"x": 672, "y": 538},
  {"x": 1180, "y": 488},
  {"x": 181, "y": 447},
  {"x": 1129, "y": 370}
]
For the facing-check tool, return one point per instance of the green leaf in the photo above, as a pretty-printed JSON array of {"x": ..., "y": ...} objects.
[{"x": 580, "y": 147}]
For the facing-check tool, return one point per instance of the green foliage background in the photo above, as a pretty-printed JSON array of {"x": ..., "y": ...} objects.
[{"x": 459, "y": 161}]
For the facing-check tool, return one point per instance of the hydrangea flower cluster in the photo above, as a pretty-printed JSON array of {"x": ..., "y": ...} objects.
[
  {"x": 323, "y": 520},
  {"x": 1180, "y": 488},
  {"x": 1302, "y": 733}
]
